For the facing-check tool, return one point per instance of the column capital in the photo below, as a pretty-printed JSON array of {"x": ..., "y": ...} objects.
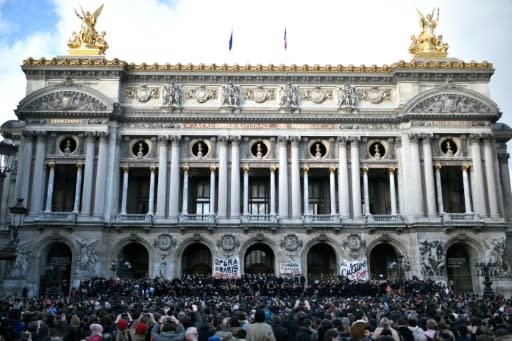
[
  {"x": 101, "y": 134},
  {"x": 332, "y": 169},
  {"x": 398, "y": 141},
  {"x": 125, "y": 169},
  {"x": 474, "y": 138},
  {"x": 234, "y": 139},
  {"x": 392, "y": 170},
  {"x": 427, "y": 138},
  {"x": 79, "y": 165},
  {"x": 354, "y": 139},
  {"x": 438, "y": 167},
  {"x": 222, "y": 139},
  {"x": 414, "y": 138},
  {"x": 51, "y": 165},
  {"x": 305, "y": 169},
  {"x": 175, "y": 139},
  {"x": 465, "y": 167},
  {"x": 213, "y": 168},
  {"x": 282, "y": 139},
  {"x": 40, "y": 133},
  {"x": 365, "y": 169},
  {"x": 342, "y": 140},
  {"x": 185, "y": 168},
  {"x": 152, "y": 168},
  {"x": 246, "y": 168},
  {"x": 503, "y": 156},
  {"x": 163, "y": 139},
  {"x": 273, "y": 168},
  {"x": 295, "y": 139},
  {"x": 89, "y": 135}
]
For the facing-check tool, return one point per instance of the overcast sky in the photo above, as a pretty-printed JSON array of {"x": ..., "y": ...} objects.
[{"x": 197, "y": 31}]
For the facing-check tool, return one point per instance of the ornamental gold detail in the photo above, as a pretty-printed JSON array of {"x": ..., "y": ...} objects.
[
  {"x": 427, "y": 44},
  {"x": 88, "y": 42}
]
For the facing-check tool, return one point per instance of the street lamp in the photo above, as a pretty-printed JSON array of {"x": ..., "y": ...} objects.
[
  {"x": 18, "y": 213},
  {"x": 486, "y": 269}
]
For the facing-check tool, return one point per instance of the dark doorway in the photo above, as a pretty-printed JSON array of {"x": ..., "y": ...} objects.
[
  {"x": 197, "y": 259},
  {"x": 458, "y": 269},
  {"x": 382, "y": 258},
  {"x": 259, "y": 259},
  {"x": 321, "y": 261},
  {"x": 57, "y": 270},
  {"x": 132, "y": 262}
]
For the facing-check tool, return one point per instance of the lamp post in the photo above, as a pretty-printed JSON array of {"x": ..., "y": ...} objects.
[{"x": 486, "y": 269}]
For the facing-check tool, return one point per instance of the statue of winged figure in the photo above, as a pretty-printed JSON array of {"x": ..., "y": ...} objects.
[
  {"x": 427, "y": 41},
  {"x": 88, "y": 37},
  {"x": 87, "y": 262}
]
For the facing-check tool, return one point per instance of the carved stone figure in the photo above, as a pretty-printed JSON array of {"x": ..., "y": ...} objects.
[
  {"x": 22, "y": 261},
  {"x": 288, "y": 96},
  {"x": 172, "y": 96},
  {"x": 66, "y": 100},
  {"x": 347, "y": 96},
  {"x": 230, "y": 95},
  {"x": 86, "y": 264},
  {"x": 450, "y": 103},
  {"x": 162, "y": 268},
  {"x": 431, "y": 258},
  {"x": 497, "y": 255}
]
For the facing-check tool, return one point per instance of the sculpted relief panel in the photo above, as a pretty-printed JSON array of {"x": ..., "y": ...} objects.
[{"x": 451, "y": 103}]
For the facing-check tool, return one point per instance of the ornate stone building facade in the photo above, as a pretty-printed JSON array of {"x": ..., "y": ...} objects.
[{"x": 378, "y": 172}]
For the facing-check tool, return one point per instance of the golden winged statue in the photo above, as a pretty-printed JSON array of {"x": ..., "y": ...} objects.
[
  {"x": 428, "y": 44},
  {"x": 88, "y": 41}
]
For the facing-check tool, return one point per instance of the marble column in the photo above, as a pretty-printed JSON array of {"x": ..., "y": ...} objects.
[
  {"x": 223, "y": 177},
  {"x": 235, "y": 178},
  {"x": 283, "y": 176},
  {"x": 295, "y": 178},
  {"x": 332, "y": 189},
  {"x": 467, "y": 195},
  {"x": 124, "y": 195},
  {"x": 151, "y": 203},
  {"x": 246, "y": 191},
  {"x": 415, "y": 169},
  {"x": 392, "y": 191},
  {"x": 112, "y": 176},
  {"x": 90, "y": 148},
  {"x": 490, "y": 178},
  {"x": 428, "y": 170},
  {"x": 38, "y": 176},
  {"x": 366, "y": 193},
  {"x": 49, "y": 191},
  {"x": 439, "y": 188},
  {"x": 184, "y": 208},
  {"x": 272, "y": 190},
  {"x": 212, "y": 189},
  {"x": 174, "y": 183},
  {"x": 101, "y": 174},
  {"x": 343, "y": 185},
  {"x": 477, "y": 177},
  {"x": 161, "y": 197},
  {"x": 355, "y": 178},
  {"x": 24, "y": 166},
  {"x": 306, "y": 190},
  {"x": 78, "y": 188}
]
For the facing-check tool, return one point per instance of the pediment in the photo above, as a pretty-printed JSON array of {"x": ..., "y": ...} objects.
[
  {"x": 451, "y": 101},
  {"x": 73, "y": 99}
]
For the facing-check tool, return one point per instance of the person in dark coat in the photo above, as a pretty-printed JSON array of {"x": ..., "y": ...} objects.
[{"x": 280, "y": 332}]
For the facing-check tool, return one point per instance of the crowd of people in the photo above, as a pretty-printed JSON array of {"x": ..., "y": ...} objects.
[{"x": 257, "y": 308}]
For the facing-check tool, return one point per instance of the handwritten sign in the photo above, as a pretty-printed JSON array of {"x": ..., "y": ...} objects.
[
  {"x": 226, "y": 267},
  {"x": 354, "y": 269},
  {"x": 290, "y": 267}
]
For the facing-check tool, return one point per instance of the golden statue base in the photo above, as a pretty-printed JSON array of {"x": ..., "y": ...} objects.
[
  {"x": 430, "y": 55},
  {"x": 85, "y": 51}
]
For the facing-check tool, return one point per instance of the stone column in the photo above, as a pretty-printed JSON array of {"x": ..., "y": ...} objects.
[
  {"x": 222, "y": 211},
  {"x": 49, "y": 191},
  {"x": 332, "y": 183},
  {"x": 151, "y": 204},
  {"x": 101, "y": 174},
  {"x": 124, "y": 195},
  {"x": 506, "y": 186},
  {"x": 467, "y": 195},
  {"x": 38, "y": 176},
  {"x": 366, "y": 192},
  {"x": 112, "y": 176},
  {"x": 272, "y": 190},
  {"x": 78, "y": 188},
  {"x": 356, "y": 178},
  {"x": 392, "y": 191},
  {"x": 439, "y": 188},
  {"x": 246, "y": 191},
  {"x": 490, "y": 178},
  {"x": 283, "y": 176},
  {"x": 415, "y": 167},
  {"x": 174, "y": 183},
  {"x": 184, "y": 209},
  {"x": 477, "y": 177},
  {"x": 343, "y": 186},
  {"x": 428, "y": 169},
  {"x": 295, "y": 170},
  {"x": 161, "y": 197},
  {"x": 24, "y": 166},
  {"x": 90, "y": 148},
  {"x": 235, "y": 178},
  {"x": 306, "y": 190},
  {"x": 212, "y": 189}
]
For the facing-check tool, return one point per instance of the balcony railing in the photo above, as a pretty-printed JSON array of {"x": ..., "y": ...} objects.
[
  {"x": 65, "y": 217},
  {"x": 321, "y": 218},
  {"x": 385, "y": 219},
  {"x": 461, "y": 217},
  {"x": 259, "y": 218},
  {"x": 134, "y": 218},
  {"x": 197, "y": 218}
]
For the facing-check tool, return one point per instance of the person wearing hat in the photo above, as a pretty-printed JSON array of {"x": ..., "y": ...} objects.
[
  {"x": 140, "y": 331},
  {"x": 96, "y": 332},
  {"x": 122, "y": 333}
]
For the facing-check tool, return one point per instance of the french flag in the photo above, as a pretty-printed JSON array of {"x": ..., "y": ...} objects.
[
  {"x": 285, "y": 39},
  {"x": 231, "y": 40}
]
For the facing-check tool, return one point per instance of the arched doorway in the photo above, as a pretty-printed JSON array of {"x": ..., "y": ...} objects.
[
  {"x": 321, "y": 261},
  {"x": 383, "y": 260},
  {"x": 197, "y": 259},
  {"x": 458, "y": 268},
  {"x": 259, "y": 259},
  {"x": 132, "y": 262},
  {"x": 56, "y": 267}
]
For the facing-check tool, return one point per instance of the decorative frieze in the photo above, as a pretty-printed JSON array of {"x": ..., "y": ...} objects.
[{"x": 143, "y": 93}]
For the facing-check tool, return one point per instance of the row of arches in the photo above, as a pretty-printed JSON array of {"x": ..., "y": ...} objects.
[{"x": 133, "y": 262}]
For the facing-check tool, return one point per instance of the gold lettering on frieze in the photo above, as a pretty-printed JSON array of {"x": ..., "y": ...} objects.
[
  {"x": 67, "y": 121},
  {"x": 257, "y": 126},
  {"x": 451, "y": 123}
]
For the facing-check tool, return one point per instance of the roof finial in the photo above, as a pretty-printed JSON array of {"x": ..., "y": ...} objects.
[
  {"x": 88, "y": 41},
  {"x": 427, "y": 44}
]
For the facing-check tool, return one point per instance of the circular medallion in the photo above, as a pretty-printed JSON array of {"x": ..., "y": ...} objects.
[
  {"x": 201, "y": 95},
  {"x": 164, "y": 241},
  {"x": 228, "y": 242},
  {"x": 260, "y": 95},
  {"x": 317, "y": 95}
]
